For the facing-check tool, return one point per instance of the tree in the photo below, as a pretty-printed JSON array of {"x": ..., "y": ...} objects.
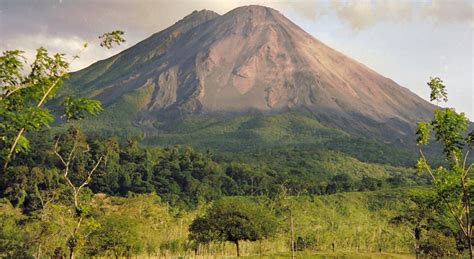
[
  {"x": 435, "y": 245},
  {"x": 233, "y": 220},
  {"x": 117, "y": 233},
  {"x": 23, "y": 97},
  {"x": 69, "y": 148},
  {"x": 453, "y": 183},
  {"x": 22, "y": 101},
  {"x": 416, "y": 216},
  {"x": 12, "y": 238}
]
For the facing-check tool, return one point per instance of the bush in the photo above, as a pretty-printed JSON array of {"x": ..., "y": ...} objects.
[{"x": 438, "y": 245}]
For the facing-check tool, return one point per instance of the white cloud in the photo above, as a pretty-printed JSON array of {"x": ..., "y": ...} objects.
[
  {"x": 443, "y": 11},
  {"x": 362, "y": 14},
  {"x": 69, "y": 45}
]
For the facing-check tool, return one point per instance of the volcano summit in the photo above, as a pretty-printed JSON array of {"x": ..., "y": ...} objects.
[{"x": 250, "y": 59}]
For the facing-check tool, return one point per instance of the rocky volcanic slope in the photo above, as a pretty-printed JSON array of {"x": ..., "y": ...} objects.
[{"x": 251, "y": 58}]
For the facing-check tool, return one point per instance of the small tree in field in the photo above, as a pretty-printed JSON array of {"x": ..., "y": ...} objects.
[
  {"x": 117, "y": 233},
  {"x": 233, "y": 220},
  {"x": 417, "y": 215},
  {"x": 453, "y": 183}
]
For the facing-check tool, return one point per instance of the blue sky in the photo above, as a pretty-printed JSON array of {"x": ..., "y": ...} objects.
[{"x": 407, "y": 41}]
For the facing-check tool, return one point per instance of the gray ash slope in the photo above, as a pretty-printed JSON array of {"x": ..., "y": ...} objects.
[{"x": 249, "y": 59}]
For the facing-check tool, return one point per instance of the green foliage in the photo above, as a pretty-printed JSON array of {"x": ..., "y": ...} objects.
[
  {"x": 78, "y": 108},
  {"x": 13, "y": 242},
  {"x": 153, "y": 228},
  {"x": 449, "y": 127},
  {"x": 110, "y": 38},
  {"x": 438, "y": 90},
  {"x": 249, "y": 133},
  {"x": 453, "y": 183},
  {"x": 118, "y": 234},
  {"x": 22, "y": 98},
  {"x": 423, "y": 133},
  {"x": 185, "y": 177},
  {"x": 418, "y": 215},
  {"x": 11, "y": 66},
  {"x": 233, "y": 220},
  {"x": 438, "y": 245}
]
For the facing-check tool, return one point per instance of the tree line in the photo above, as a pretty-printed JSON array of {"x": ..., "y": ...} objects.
[{"x": 182, "y": 176}]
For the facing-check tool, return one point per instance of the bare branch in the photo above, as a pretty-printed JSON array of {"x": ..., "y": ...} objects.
[
  {"x": 428, "y": 166},
  {"x": 468, "y": 169},
  {"x": 40, "y": 103},
  {"x": 456, "y": 217},
  {"x": 56, "y": 152},
  {"x": 89, "y": 175},
  {"x": 18, "y": 88},
  {"x": 465, "y": 160},
  {"x": 72, "y": 153}
]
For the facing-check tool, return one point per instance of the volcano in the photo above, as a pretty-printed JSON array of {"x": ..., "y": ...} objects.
[{"x": 251, "y": 59}]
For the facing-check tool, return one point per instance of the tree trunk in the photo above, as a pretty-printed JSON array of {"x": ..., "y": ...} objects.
[
  {"x": 292, "y": 236},
  {"x": 71, "y": 253},
  {"x": 237, "y": 247},
  {"x": 469, "y": 243},
  {"x": 417, "y": 242},
  {"x": 38, "y": 254}
]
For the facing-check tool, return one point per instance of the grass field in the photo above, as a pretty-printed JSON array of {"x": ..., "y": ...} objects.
[{"x": 339, "y": 255}]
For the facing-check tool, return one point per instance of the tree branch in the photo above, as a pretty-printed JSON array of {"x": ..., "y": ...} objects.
[
  {"x": 89, "y": 175},
  {"x": 428, "y": 166},
  {"x": 40, "y": 103},
  {"x": 465, "y": 160}
]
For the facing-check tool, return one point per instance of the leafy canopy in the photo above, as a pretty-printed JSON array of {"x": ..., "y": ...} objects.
[
  {"x": 23, "y": 95},
  {"x": 233, "y": 219},
  {"x": 454, "y": 183},
  {"x": 438, "y": 90}
]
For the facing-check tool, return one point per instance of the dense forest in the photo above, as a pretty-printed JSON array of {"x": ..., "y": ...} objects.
[{"x": 185, "y": 177}]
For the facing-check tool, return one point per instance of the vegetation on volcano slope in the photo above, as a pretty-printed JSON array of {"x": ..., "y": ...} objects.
[{"x": 247, "y": 134}]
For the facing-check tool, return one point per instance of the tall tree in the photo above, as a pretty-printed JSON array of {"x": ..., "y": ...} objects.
[
  {"x": 22, "y": 101},
  {"x": 453, "y": 183},
  {"x": 23, "y": 95}
]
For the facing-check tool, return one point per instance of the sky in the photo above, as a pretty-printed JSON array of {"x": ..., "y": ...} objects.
[{"x": 407, "y": 41}]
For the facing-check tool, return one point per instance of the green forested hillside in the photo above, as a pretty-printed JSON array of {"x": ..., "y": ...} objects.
[{"x": 248, "y": 134}]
